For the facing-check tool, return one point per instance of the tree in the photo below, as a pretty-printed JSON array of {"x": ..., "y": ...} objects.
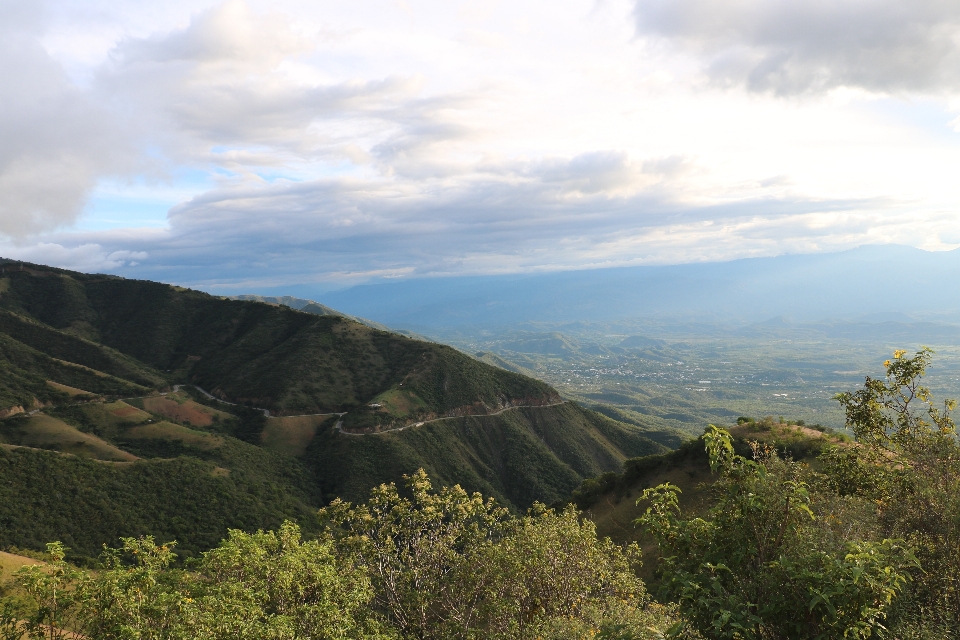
[
  {"x": 446, "y": 564},
  {"x": 908, "y": 463},
  {"x": 275, "y": 585},
  {"x": 762, "y": 563},
  {"x": 52, "y": 588},
  {"x": 142, "y": 600},
  {"x": 551, "y": 577},
  {"x": 418, "y": 551}
]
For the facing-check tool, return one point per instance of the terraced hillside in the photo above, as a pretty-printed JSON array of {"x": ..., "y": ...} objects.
[{"x": 279, "y": 411}]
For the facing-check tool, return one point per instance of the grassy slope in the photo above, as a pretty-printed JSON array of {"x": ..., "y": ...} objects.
[
  {"x": 9, "y": 563},
  {"x": 292, "y": 435},
  {"x": 519, "y": 456},
  {"x": 181, "y": 408},
  {"x": 46, "y": 432}
]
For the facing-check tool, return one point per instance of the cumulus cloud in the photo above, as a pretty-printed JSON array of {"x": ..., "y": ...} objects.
[
  {"x": 213, "y": 94},
  {"x": 56, "y": 140},
  {"x": 218, "y": 91},
  {"x": 87, "y": 257},
  {"x": 789, "y": 47}
]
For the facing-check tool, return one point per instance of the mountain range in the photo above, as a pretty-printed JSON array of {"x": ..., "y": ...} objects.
[
  {"x": 876, "y": 283},
  {"x": 134, "y": 407}
]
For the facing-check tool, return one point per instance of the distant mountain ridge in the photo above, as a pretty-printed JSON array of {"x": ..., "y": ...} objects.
[
  {"x": 307, "y": 306},
  {"x": 868, "y": 280}
]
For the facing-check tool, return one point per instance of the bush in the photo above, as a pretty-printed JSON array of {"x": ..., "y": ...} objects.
[{"x": 764, "y": 563}]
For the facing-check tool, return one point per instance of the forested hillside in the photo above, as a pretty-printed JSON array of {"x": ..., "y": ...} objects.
[{"x": 133, "y": 407}]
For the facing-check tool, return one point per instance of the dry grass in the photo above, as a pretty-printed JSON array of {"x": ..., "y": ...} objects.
[
  {"x": 73, "y": 392},
  {"x": 111, "y": 415},
  {"x": 181, "y": 409},
  {"x": 45, "y": 432},
  {"x": 10, "y": 563},
  {"x": 291, "y": 435},
  {"x": 170, "y": 431},
  {"x": 99, "y": 374},
  {"x": 399, "y": 402}
]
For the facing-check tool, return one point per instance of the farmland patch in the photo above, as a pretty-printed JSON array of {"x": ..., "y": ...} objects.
[
  {"x": 179, "y": 408},
  {"x": 175, "y": 432},
  {"x": 41, "y": 431},
  {"x": 73, "y": 392},
  {"x": 292, "y": 435}
]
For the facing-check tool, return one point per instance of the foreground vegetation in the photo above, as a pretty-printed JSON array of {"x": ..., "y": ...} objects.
[
  {"x": 864, "y": 547},
  {"x": 431, "y": 564},
  {"x": 858, "y": 542}
]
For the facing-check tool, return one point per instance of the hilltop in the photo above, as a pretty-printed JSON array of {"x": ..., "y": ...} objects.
[
  {"x": 131, "y": 407},
  {"x": 610, "y": 499},
  {"x": 307, "y": 306}
]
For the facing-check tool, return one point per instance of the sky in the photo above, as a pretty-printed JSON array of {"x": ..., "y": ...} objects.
[{"x": 247, "y": 145}]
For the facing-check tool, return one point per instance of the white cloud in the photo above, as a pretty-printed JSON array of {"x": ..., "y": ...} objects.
[
  {"x": 83, "y": 257},
  {"x": 351, "y": 140},
  {"x": 789, "y": 47},
  {"x": 217, "y": 90},
  {"x": 56, "y": 140}
]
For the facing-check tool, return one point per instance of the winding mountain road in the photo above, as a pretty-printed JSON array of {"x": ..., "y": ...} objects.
[{"x": 339, "y": 425}]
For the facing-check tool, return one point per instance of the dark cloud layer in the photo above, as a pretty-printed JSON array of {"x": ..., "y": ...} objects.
[
  {"x": 342, "y": 232},
  {"x": 792, "y": 47}
]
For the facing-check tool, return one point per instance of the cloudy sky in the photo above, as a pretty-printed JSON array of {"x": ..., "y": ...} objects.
[{"x": 245, "y": 145}]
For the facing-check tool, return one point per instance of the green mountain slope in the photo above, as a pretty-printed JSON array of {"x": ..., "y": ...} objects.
[
  {"x": 610, "y": 499},
  {"x": 72, "y": 344},
  {"x": 48, "y": 496},
  {"x": 518, "y": 456},
  {"x": 269, "y": 356},
  {"x": 307, "y": 306}
]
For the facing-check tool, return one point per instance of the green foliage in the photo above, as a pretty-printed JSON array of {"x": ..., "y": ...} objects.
[
  {"x": 142, "y": 599},
  {"x": 418, "y": 550},
  {"x": 882, "y": 413},
  {"x": 908, "y": 462},
  {"x": 85, "y": 503},
  {"x": 519, "y": 457},
  {"x": 271, "y": 585},
  {"x": 274, "y": 585},
  {"x": 452, "y": 565},
  {"x": 52, "y": 589},
  {"x": 764, "y": 563},
  {"x": 434, "y": 565}
]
